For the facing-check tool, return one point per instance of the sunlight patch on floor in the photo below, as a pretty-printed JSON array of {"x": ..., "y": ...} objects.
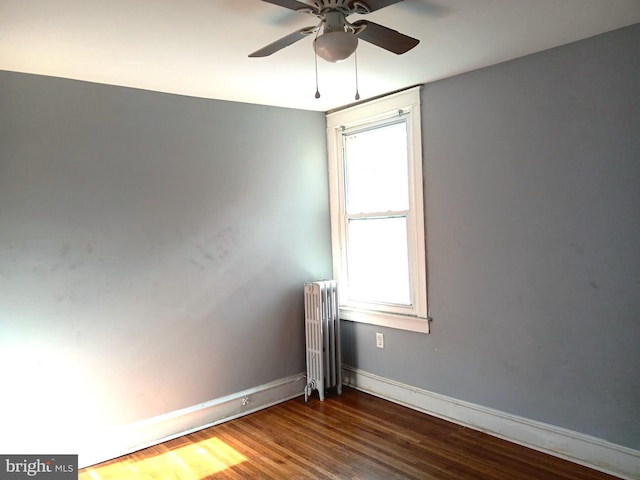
[{"x": 195, "y": 461}]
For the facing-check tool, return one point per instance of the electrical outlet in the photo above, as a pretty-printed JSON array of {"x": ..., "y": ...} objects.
[
  {"x": 379, "y": 340},
  {"x": 245, "y": 401}
]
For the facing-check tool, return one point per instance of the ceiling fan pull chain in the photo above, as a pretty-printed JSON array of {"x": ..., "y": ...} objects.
[
  {"x": 355, "y": 56},
  {"x": 315, "y": 59},
  {"x": 317, "y": 89}
]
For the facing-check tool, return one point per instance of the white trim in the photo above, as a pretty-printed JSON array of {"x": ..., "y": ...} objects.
[
  {"x": 412, "y": 317},
  {"x": 384, "y": 319},
  {"x": 377, "y": 108},
  {"x": 162, "y": 428},
  {"x": 560, "y": 442}
]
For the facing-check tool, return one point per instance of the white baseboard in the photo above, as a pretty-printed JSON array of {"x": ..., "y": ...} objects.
[
  {"x": 574, "y": 446},
  {"x": 171, "y": 425}
]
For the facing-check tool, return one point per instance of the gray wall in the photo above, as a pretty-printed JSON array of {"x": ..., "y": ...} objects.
[
  {"x": 152, "y": 252},
  {"x": 532, "y": 197}
]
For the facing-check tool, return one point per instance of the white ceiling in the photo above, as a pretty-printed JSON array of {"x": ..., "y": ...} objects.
[{"x": 199, "y": 47}]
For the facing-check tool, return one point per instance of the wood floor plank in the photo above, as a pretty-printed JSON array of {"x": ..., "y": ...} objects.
[
  {"x": 411, "y": 444},
  {"x": 353, "y": 436},
  {"x": 337, "y": 448},
  {"x": 364, "y": 440}
]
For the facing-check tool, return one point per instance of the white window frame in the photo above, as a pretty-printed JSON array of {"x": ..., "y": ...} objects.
[{"x": 414, "y": 317}]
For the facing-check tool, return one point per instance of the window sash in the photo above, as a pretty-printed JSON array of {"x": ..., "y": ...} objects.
[
  {"x": 355, "y": 196},
  {"x": 366, "y": 258}
]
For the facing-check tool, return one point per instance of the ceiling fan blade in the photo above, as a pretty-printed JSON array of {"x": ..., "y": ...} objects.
[
  {"x": 284, "y": 42},
  {"x": 384, "y": 37},
  {"x": 290, "y": 4},
  {"x": 378, "y": 4}
]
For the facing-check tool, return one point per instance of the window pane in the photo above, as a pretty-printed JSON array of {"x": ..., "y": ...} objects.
[
  {"x": 377, "y": 262},
  {"x": 376, "y": 169}
]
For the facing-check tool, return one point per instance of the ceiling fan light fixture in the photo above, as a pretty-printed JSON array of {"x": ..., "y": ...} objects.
[{"x": 335, "y": 46}]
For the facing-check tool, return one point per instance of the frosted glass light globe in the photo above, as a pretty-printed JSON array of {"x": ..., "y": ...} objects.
[{"x": 336, "y": 46}]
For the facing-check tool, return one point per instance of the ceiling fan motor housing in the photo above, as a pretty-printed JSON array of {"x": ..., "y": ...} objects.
[
  {"x": 323, "y": 5},
  {"x": 336, "y": 43},
  {"x": 334, "y": 21}
]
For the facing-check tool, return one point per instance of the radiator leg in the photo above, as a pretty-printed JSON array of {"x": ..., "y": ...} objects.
[{"x": 309, "y": 387}]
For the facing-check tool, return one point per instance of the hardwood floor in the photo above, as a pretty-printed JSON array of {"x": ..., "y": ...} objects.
[{"x": 352, "y": 436}]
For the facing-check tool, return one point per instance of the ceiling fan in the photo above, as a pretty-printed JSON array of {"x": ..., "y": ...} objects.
[{"x": 339, "y": 37}]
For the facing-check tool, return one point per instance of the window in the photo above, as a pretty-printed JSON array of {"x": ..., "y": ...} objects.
[{"x": 377, "y": 220}]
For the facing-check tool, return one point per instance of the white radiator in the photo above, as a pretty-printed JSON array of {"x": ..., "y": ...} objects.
[{"x": 322, "y": 329}]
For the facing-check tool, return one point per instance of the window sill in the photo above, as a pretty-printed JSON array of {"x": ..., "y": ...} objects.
[{"x": 384, "y": 319}]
